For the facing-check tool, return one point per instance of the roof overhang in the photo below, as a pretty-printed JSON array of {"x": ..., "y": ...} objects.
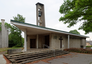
[{"x": 34, "y": 29}]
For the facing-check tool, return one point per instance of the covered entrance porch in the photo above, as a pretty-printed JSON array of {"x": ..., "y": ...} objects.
[{"x": 41, "y": 41}]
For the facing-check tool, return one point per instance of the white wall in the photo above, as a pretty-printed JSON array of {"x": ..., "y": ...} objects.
[
  {"x": 0, "y": 40},
  {"x": 55, "y": 42},
  {"x": 4, "y": 36},
  {"x": 73, "y": 42}
]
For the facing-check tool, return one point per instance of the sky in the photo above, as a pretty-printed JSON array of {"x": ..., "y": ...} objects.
[{"x": 27, "y": 8}]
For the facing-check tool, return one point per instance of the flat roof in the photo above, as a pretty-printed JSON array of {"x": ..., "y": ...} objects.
[{"x": 17, "y": 23}]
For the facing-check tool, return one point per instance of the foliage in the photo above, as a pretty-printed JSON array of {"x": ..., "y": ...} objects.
[
  {"x": 19, "y": 18},
  {"x": 15, "y": 36},
  {"x": 79, "y": 50},
  {"x": 77, "y": 10},
  {"x": 74, "y": 31}
]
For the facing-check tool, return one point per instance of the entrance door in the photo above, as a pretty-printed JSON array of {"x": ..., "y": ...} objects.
[
  {"x": 46, "y": 41},
  {"x": 32, "y": 43}
]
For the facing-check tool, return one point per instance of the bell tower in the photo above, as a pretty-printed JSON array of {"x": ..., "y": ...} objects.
[{"x": 40, "y": 16}]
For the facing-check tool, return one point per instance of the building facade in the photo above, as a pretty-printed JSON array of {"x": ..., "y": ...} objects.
[{"x": 38, "y": 37}]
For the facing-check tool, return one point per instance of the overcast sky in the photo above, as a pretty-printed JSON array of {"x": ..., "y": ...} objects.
[{"x": 27, "y": 8}]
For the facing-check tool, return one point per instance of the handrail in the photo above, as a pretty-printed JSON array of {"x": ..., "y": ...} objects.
[{"x": 45, "y": 45}]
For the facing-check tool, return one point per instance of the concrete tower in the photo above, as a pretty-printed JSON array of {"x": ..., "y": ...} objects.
[
  {"x": 3, "y": 35},
  {"x": 40, "y": 16}
]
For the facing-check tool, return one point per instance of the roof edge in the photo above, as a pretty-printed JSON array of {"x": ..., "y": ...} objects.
[{"x": 51, "y": 29}]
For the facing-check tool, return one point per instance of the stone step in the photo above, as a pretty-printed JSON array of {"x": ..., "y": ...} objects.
[{"x": 30, "y": 57}]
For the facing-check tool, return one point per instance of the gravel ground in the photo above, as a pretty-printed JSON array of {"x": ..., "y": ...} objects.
[{"x": 72, "y": 58}]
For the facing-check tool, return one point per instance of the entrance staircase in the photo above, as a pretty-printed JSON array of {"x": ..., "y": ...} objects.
[{"x": 24, "y": 58}]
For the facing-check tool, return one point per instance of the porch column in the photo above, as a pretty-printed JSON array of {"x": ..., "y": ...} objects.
[
  {"x": 25, "y": 41},
  {"x": 37, "y": 41},
  {"x": 68, "y": 40}
]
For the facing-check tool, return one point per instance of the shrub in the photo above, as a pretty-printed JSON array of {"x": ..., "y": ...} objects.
[{"x": 79, "y": 50}]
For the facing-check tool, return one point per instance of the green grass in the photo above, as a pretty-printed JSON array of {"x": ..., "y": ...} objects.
[
  {"x": 16, "y": 47},
  {"x": 88, "y": 46},
  {"x": 5, "y": 49}
]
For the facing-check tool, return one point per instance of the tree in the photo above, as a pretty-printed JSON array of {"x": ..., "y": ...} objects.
[
  {"x": 74, "y": 31},
  {"x": 15, "y": 36},
  {"x": 77, "y": 10},
  {"x": 19, "y": 18}
]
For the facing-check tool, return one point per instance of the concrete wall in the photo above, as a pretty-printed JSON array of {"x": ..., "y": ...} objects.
[
  {"x": 3, "y": 36},
  {"x": 83, "y": 42},
  {"x": 55, "y": 42},
  {"x": 0, "y": 40},
  {"x": 41, "y": 41},
  {"x": 6, "y": 37},
  {"x": 74, "y": 42}
]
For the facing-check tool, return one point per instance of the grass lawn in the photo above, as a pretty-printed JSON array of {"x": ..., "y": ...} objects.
[
  {"x": 5, "y": 49},
  {"x": 88, "y": 46}
]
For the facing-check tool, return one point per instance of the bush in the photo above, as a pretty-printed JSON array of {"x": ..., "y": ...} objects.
[{"x": 79, "y": 50}]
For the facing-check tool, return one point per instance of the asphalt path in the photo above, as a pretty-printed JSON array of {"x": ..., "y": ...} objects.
[{"x": 72, "y": 58}]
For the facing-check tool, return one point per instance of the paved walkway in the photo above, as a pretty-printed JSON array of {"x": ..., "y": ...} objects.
[
  {"x": 2, "y": 60},
  {"x": 72, "y": 58}
]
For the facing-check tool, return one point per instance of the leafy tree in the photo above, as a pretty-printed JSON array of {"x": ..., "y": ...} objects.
[
  {"x": 19, "y": 18},
  {"x": 74, "y": 31},
  {"x": 14, "y": 37},
  {"x": 16, "y": 32},
  {"x": 77, "y": 10}
]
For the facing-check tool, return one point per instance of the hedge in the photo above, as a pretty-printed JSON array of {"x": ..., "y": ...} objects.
[{"x": 79, "y": 50}]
